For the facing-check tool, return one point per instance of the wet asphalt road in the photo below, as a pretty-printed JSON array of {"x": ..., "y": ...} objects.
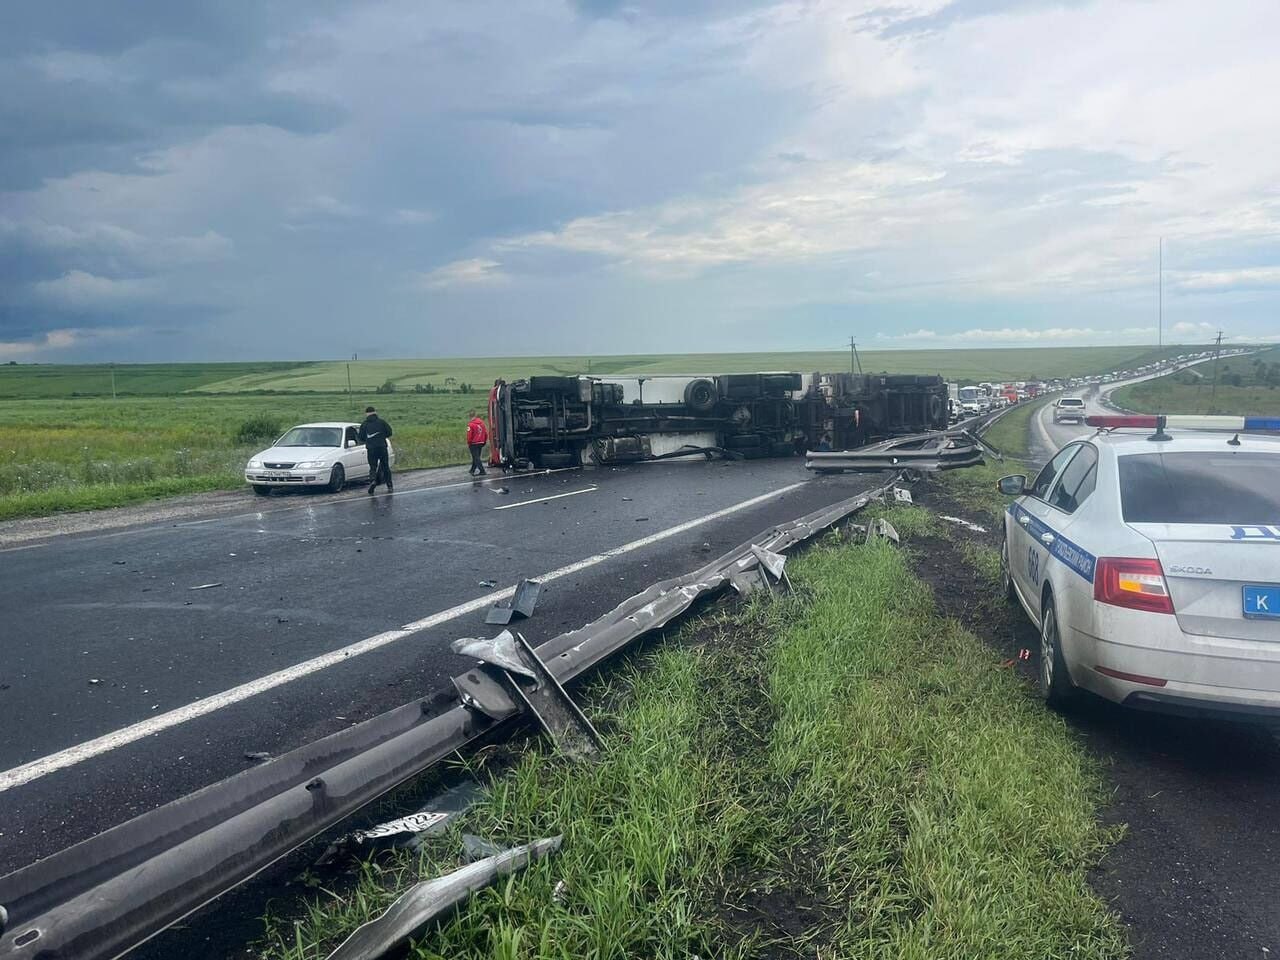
[{"x": 105, "y": 631}]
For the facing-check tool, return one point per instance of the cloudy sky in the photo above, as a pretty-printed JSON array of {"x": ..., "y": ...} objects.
[{"x": 310, "y": 179}]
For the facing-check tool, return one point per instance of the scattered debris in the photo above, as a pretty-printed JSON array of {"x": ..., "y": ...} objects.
[
  {"x": 520, "y": 605},
  {"x": 499, "y": 490},
  {"x": 205, "y": 586},
  {"x": 282, "y": 619},
  {"x": 424, "y": 901},
  {"x": 1024, "y": 654},
  {"x": 546, "y": 699},
  {"x": 260, "y": 757},
  {"x": 119, "y": 563},
  {"x": 410, "y": 832},
  {"x": 706, "y": 547},
  {"x": 560, "y": 891},
  {"x": 641, "y": 519},
  {"x": 624, "y": 500},
  {"x": 488, "y": 583},
  {"x": 882, "y": 528},
  {"x": 94, "y": 681},
  {"x": 967, "y": 524},
  {"x": 902, "y": 495},
  {"x": 926, "y": 451}
]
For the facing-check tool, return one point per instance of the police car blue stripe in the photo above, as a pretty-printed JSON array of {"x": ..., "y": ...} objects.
[
  {"x": 1262, "y": 423},
  {"x": 1076, "y": 557}
]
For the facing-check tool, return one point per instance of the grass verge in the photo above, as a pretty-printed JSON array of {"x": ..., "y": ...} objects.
[{"x": 839, "y": 772}]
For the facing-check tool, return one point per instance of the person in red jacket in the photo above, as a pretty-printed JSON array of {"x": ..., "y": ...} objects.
[{"x": 477, "y": 437}]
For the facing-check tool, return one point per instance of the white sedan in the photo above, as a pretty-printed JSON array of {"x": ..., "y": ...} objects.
[
  {"x": 1151, "y": 564},
  {"x": 328, "y": 455}
]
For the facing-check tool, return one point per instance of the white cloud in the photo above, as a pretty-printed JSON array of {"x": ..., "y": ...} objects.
[
  {"x": 1212, "y": 280},
  {"x": 53, "y": 341},
  {"x": 1028, "y": 335},
  {"x": 473, "y": 272},
  {"x": 109, "y": 239},
  {"x": 412, "y": 217},
  {"x": 78, "y": 290}
]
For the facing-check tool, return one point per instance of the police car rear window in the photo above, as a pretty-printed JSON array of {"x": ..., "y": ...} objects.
[{"x": 1200, "y": 487}]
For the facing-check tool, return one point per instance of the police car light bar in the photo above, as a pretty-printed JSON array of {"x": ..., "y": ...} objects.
[{"x": 1153, "y": 422}]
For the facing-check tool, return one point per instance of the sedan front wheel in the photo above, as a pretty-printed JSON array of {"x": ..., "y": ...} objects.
[{"x": 337, "y": 478}]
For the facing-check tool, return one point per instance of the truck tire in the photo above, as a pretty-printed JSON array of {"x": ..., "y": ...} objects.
[
  {"x": 743, "y": 441},
  {"x": 700, "y": 395},
  {"x": 559, "y": 461}
]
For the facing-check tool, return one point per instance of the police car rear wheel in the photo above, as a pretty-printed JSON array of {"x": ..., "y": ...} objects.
[
  {"x": 1055, "y": 683},
  {"x": 1006, "y": 579}
]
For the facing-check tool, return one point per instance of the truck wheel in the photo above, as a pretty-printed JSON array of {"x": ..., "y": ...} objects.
[
  {"x": 558, "y": 461},
  {"x": 700, "y": 396}
]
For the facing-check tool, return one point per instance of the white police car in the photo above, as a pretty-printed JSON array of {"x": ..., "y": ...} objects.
[
  {"x": 1151, "y": 564},
  {"x": 319, "y": 455}
]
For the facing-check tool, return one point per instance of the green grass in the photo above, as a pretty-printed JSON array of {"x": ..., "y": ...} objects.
[
  {"x": 29, "y": 381},
  {"x": 58, "y": 455},
  {"x": 835, "y": 773},
  {"x": 1185, "y": 392},
  {"x": 972, "y": 365}
]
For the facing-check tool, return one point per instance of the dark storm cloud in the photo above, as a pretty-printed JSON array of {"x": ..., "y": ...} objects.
[{"x": 97, "y": 85}]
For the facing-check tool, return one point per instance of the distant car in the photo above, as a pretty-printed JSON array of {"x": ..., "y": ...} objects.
[
  {"x": 328, "y": 455},
  {"x": 1068, "y": 408},
  {"x": 1152, "y": 569}
]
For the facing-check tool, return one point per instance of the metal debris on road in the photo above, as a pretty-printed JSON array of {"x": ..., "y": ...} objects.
[
  {"x": 488, "y": 583},
  {"x": 259, "y": 757},
  {"x": 520, "y": 604},
  {"x": 902, "y": 495},
  {"x": 205, "y": 586},
  {"x": 925, "y": 451},
  {"x": 967, "y": 524},
  {"x": 94, "y": 681},
  {"x": 425, "y": 901}
]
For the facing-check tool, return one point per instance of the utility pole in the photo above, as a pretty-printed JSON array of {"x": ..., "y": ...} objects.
[
  {"x": 350, "y": 399},
  {"x": 854, "y": 359}
]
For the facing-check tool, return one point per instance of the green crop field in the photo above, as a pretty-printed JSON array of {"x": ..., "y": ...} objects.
[
  {"x": 28, "y": 381},
  {"x": 1022, "y": 363},
  {"x": 1247, "y": 386},
  {"x": 80, "y": 454},
  {"x": 66, "y": 444}
]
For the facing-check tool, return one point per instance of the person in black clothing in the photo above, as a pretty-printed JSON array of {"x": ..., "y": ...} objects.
[{"x": 374, "y": 434}]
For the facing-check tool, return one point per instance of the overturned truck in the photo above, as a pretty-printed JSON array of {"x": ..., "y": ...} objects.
[{"x": 551, "y": 422}]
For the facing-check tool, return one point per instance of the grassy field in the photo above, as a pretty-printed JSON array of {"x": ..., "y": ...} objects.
[
  {"x": 29, "y": 381},
  {"x": 83, "y": 454},
  {"x": 1243, "y": 388},
  {"x": 837, "y": 773},
  {"x": 65, "y": 444},
  {"x": 971, "y": 365}
]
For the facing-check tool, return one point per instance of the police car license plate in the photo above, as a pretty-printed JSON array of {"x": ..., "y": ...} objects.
[{"x": 1262, "y": 602}]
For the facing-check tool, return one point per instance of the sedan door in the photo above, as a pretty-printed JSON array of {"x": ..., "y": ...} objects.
[
  {"x": 1033, "y": 531},
  {"x": 354, "y": 459}
]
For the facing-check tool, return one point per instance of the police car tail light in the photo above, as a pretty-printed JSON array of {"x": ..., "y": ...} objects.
[{"x": 1132, "y": 582}]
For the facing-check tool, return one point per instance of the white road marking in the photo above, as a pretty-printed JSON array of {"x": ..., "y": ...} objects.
[
  {"x": 525, "y": 503},
  {"x": 36, "y": 769}
]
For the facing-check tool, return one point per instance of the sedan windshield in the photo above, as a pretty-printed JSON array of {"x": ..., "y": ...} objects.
[
  {"x": 1203, "y": 487},
  {"x": 312, "y": 437}
]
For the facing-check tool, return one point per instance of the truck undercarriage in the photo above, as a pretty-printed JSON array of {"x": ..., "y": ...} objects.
[{"x": 551, "y": 422}]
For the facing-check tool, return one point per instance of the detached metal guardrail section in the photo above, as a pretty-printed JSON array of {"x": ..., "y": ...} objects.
[{"x": 108, "y": 894}]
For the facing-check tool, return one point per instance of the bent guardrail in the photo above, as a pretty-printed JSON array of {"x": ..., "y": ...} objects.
[{"x": 106, "y": 895}]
